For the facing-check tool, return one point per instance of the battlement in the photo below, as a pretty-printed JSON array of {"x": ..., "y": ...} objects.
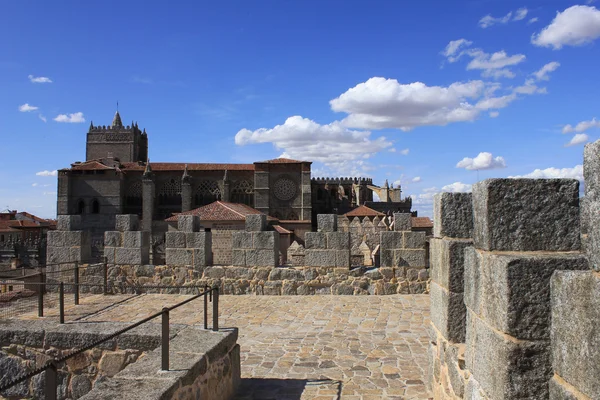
[
  {"x": 108, "y": 128},
  {"x": 343, "y": 180}
]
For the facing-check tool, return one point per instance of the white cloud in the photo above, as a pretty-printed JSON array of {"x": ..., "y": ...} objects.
[
  {"x": 532, "y": 20},
  {"x": 457, "y": 187},
  {"x": 71, "y": 118},
  {"x": 39, "y": 79},
  {"x": 392, "y": 150},
  {"x": 493, "y": 65},
  {"x": 47, "y": 173},
  {"x": 496, "y": 102},
  {"x": 498, "y": 73},
  {"x": 542, "y": 73},
  {"x": 451, "y": 50},
  {"x": 582, "y": 126},
  {"x": 575, "y": 26},
  {"x": 381, "y": 103},
  {"x": 573, "y": 173},
  {"x": 40, "y": 116},
  {"x": 27, "y": 108},
  {"x": 404, "y": 152},
  {"x": 484, "y": 160},
  {"x": 34, "y": 184},
  {"x": 49, "y": 193},
  {"x": 579, "y": 138},
  {"x": 416, "y": 179},
  {"x": 494, "y": 114},
  {"x": 336, "y": 146},
  {"x": 488, "y": 20},
  {"x": 529, "y": 88}
]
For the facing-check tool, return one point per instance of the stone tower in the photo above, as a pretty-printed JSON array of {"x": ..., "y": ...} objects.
[{"x": 124, "y": 143}]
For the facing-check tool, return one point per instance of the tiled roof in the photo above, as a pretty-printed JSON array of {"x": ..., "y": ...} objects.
[
  {"x": 282, "y": 161},
  {"x": 89, "y": 166},
  {"x": 421, "y": 222},
  {"x": 281, "y": 229},
  {"x": 15, "y": 225},
  {"x": 221, "y": 211},
  {"x": 134, "y": 166},
  {"x": 364, "y": 211}
]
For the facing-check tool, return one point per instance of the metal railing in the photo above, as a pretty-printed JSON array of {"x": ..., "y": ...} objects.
[{"x": 51, "y": 367}]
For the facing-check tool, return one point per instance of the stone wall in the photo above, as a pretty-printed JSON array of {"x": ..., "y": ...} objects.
[
  {"x": 402, "y": 247},
  {"x": 327, "y": 247},
  {"x": 190, "y": 245},
  {"x": 127, "y": 245},
  {"x": 453, "y": 234},
  {"x": 68, "y": 244},
  {"x": 256, "y": 247}
]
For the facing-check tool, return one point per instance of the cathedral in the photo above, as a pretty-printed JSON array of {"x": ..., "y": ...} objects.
[{"x": 117, "y": 178}]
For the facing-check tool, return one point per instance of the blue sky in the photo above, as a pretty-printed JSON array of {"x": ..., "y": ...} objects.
[{"x": 433, "y": 95}]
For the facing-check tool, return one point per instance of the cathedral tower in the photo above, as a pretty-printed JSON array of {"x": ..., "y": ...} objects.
[{"x": 124, "y": 143}]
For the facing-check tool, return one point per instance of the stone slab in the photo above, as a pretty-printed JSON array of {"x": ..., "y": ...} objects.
[
  {"x": 188, "y": 223},
  {"x": 391, "y": 240},
  {"x": 256, "y": 222},
  {"x": 134, "y": 239},
  {"x": 513, "y": 290},
  {"x": 453, "y": 215},
  {"x": 402, "y": 222},
  {"x": 268, "y": 240},
  {"x": 112, "y": 239},
  {"x": 127, "y": 222},
  {"x": 526, "y": 215},
  {"x": 591, "y": 206},
  {"x": 327, "y": 222},
  {"x": 413, "y": 240},
  {"x": 238, "y": 257},
  {"x": 521, "y": 368},
  {"x": 132, "y": 256},
  {"x": 447, "y": 262},
  {"x": 68, "y": 223},
  {"x": 561, "y": 390},
  {"x": 242, "y": 240},
  {"x": 315, "y": 240},
  {"x": 575, "y": 329},
  {"x": 448, "y": 313},
  {"x": 338, "y": 240},
  {"x": 409, "y": 258},
  {"x": 320, "y": 258},
  {"x": 262, "y": 258},
  {"x": 175, "y": 240},
  {"x": 342, "y": 258}
]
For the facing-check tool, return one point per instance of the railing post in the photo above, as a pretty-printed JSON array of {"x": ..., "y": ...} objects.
[
  {"x": 205, "y": 308},
  {"x": 165, "y": 340},
  {"x": 61, "y": 301},
  {"x": 105, "y": 272},
  {"x": 76, "y": 282},
  {"x": 51, "y": 381},
  {"x": 216, "y": 309},
  {"x": 40, "y": 299}
]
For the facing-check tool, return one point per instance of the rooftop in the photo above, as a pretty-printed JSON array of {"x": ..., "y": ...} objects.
[{"x": 221, "y": 211}]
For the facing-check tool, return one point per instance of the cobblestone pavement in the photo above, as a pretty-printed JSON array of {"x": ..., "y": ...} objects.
[{"x": 314, "y": 347}]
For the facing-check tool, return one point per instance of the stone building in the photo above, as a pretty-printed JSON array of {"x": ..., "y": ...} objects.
[{"x": 117, "y": 178}]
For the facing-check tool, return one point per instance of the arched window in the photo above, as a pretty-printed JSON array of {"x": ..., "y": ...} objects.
[
  {"x": 133, "y": 199},
  {"x": 206, "y": 193},
  {"x": 170, "y": 193},
  {"x": 243, "y": 192},
  {"x": 80, "y": 207},
  {"x": 95, "y": 207}
]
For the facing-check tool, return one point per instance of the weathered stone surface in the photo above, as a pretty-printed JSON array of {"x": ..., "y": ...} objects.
[
  {"x": 127, "y": 222},
  {"x": 473, "y": 391},
  {"x": 521, "y": 368},
  {"x": 413, "y": 240},
  {"x": 188, "y": 223},
  {"x": 575, "y": 329},
  {"x": 111, "y": 238},
  {"x": 256, "y": 222},
  {"x": 136, "y": 239},
  {"x": 242, "y": 240},
  {"x": 526, "y": 215},
  {"x": 591, "y": 205},
  {"x": 338, "y": 240},
  {"x": 265, "y": 240},
  {"x": 175, "y": 240},
  {"x": 80, "y": 385},
  {"x": 409, "y": 258},
  {"x": 238, "y": 257},
  {"x": 342, "y": 258},
  {"x": 179, "y": 257},
  {"x": 13, "y": 367},
  {"x": 447, "y": 261},
  {"x": 391, "y": 240},
  {"x": 561, "y": 390},
  {"x": 448, "y": 313},
  {"x": 453, "y": 215},
  {"x": 514, "y": 290},
  {"x": 402, "y": 222},
  {"x": 262, "y": 258},
  {"x": 68, "y": 223},
  {"x": 320, "y": 258},
  {"x": 327, "y": 222},
  {"x": 315, "y": 240},
  {"x": 132, "y": 256}
]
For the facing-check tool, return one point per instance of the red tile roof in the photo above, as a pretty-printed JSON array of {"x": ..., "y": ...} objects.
[
  {"x": 282, "y": 161},
  {"x": 89, "y": 166},
  {"x": 421, "y": 222},
  {"x": 134, "y": 166},
  {"x": 221, "y": 211},
  {"x": 281, "y": 229},
  {"x": 364, "y": 211}
]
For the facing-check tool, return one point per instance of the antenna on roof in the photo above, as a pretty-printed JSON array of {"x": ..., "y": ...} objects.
[{"x": 117, "y": 105}]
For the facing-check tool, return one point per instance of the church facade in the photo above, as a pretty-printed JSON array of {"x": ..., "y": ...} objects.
[{"x": 117, "y": 178}]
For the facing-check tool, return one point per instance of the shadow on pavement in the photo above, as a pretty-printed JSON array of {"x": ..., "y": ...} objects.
[{"x": 283, "y": 389}]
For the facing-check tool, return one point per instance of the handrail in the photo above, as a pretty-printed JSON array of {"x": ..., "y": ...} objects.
[{"x": 50, "y": 367}]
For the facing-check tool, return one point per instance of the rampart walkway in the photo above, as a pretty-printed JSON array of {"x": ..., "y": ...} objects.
[{"x": 313, "y": 347}]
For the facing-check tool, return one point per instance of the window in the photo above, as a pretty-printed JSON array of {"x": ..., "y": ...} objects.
[
  {"x": 1, "y": 238},
  {"x": 95, "y": 207},
  {"x": 170, "y": 193},
  {"x": 206, "y": 193},
  {"x": 243, "y": 192},
  {"x": 80, "y": 207}
]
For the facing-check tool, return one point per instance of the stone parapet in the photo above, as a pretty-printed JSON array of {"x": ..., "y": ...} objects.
[
  {"x": 255, "y": 247},
  {"x": 68, "y": 247},
  {"x": 190, "y": 246},
  {"x": 127, "y": 245}
]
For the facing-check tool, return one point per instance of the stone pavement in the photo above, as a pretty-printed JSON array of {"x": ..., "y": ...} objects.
[{"x": 313, "y": 347}]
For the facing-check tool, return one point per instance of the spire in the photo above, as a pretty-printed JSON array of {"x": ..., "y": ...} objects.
[
  {"x": 386, "y": 185},
  {"x": 148, "y": 170},
  {"x": 91, "y": 125},
  {"x": 225, "y": 177},
  {"x": 186, "y": 177},
  {"x": 117, "y": 121}
]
